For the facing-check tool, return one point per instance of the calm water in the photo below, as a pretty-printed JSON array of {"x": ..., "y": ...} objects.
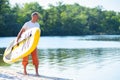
[{"x": 78, "y": 58}]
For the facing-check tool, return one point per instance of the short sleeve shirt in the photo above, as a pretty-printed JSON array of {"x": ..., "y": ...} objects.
[{"x": 30, "y": 24}]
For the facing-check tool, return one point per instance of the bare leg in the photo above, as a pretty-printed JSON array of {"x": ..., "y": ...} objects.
[
  {"x": 36, "y": 69},
  {"x": 25, "y": 71}
]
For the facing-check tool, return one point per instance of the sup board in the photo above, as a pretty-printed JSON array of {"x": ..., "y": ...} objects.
[{"x": 25, "y": 45}]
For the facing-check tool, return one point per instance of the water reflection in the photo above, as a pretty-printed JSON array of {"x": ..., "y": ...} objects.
[
  {"x": 75, "y": 57},
  {"x": 1, "y": 57},
  {"x": 78, "y": 58},
  {"x": 63, "y": 62}
]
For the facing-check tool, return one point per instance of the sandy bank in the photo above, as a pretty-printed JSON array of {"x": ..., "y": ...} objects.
[{"x": 7, "y": 74}]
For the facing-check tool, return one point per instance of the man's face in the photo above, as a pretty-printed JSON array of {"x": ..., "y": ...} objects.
[{"x": 35, "y": 17}]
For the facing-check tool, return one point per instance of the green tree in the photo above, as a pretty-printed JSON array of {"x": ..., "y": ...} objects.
[
  {"x": 4, "y": 10},
  {"x": 60, "y": 20},
  {"x": 24, "y": 13}
]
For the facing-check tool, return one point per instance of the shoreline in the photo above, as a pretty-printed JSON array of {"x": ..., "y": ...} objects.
[
  {"x": 14, "y": 75},
  {"x": 8, "y": 74}
]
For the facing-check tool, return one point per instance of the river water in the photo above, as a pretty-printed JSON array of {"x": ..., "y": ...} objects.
[{"x": 92, "y": 57}]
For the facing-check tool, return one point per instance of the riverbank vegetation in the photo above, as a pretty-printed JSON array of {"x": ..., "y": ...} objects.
[{"x": 59, "y": 20}]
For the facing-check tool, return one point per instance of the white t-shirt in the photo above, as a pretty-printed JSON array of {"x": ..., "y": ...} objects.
[{"x": 30, "y": 24}]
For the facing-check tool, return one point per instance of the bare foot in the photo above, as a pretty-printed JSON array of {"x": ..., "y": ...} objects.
[
  {"x": 37, "y": 74},
  {"x": 25, "y": 73}
]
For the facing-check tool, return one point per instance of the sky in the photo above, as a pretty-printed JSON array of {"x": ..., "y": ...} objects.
[{"x": 113, "y": 5}]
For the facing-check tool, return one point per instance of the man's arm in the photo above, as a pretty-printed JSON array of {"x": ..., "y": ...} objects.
[{"x": 20, "y": 33}]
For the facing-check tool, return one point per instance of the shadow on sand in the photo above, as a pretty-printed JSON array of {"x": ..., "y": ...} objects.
[{"x": 45, "y": 77}]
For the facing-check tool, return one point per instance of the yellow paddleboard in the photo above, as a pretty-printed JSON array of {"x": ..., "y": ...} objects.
[{"x": 26, "y": 44}]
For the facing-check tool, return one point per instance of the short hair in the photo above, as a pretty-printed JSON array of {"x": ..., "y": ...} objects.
[{"x": 34, "y": 13}]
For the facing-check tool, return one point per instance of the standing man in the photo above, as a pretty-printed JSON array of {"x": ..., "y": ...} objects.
[{"x": 28, "y": 25}]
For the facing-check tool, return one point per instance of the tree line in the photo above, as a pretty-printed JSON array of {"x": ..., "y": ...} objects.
[{"x": 59, "y": 20}]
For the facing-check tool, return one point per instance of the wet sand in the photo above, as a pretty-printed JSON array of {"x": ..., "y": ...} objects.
[{"x": 8, "y": 74}]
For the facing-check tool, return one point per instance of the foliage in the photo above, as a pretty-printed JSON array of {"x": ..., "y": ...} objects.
[{"x": 60, "y": 20}]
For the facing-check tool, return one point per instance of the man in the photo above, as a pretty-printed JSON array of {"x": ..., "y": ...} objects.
[{"x": 30, "y": 24}]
